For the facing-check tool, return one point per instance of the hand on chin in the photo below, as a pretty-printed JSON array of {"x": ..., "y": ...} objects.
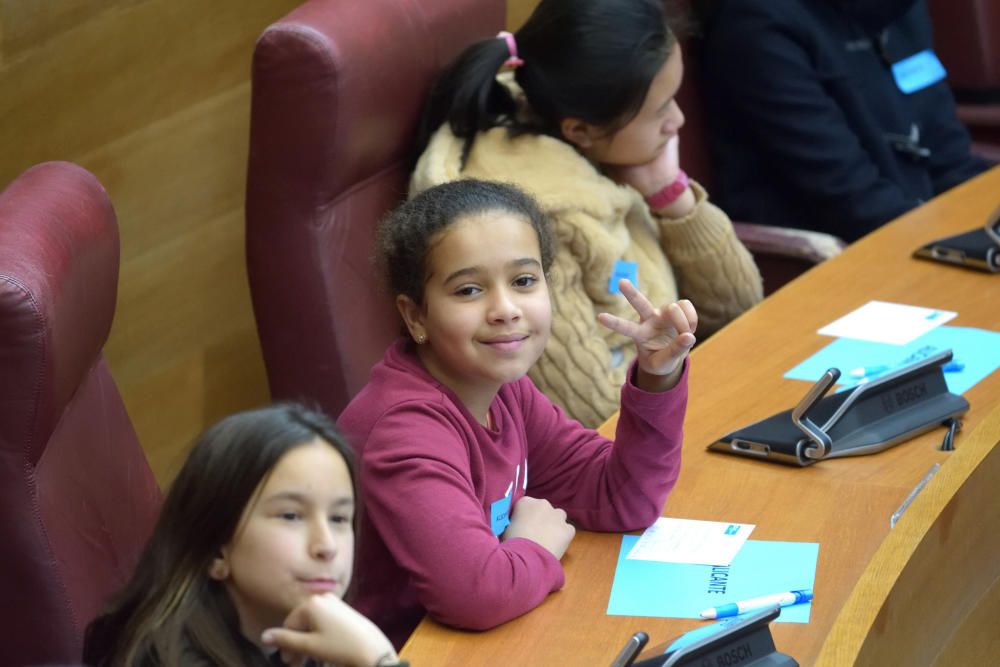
[{"x": 650, "y": 177}]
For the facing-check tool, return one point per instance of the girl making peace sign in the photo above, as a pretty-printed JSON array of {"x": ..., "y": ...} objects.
[{"x": 471, "y": 476}]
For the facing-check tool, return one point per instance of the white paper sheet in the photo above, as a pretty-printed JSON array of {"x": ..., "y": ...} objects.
[
  {"x": 689, "y": 541},
  {"x": 883, "y": 322}
]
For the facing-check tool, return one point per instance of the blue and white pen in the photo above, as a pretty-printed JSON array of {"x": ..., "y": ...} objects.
[
  {"x": 780, "y": 599},
  {"x": 868, "y": 373}
]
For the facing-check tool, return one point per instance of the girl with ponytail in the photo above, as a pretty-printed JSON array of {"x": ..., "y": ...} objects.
[{"x": 577, "y": 108}]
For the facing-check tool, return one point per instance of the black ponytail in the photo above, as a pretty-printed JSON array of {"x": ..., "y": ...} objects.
[{"x": 468, "y": 96}]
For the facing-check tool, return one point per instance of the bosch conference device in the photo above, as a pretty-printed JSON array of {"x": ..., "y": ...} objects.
[
  {"x": 744, "y": 640},
  {"x": 864, "y": 419}
]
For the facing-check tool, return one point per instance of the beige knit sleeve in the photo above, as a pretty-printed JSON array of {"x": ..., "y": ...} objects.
[
  {"x": 575, "y": 369},
  {"x": 713, "y": 268}
]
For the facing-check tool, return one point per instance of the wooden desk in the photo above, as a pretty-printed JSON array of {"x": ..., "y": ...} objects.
[{"x": 736, "y": 378}]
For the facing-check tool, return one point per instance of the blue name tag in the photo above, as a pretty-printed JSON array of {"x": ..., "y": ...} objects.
[
  {"x": 623, "y": 269},
  {"x": 500, "y": 515},
  {"x": 918, "y": 71}
]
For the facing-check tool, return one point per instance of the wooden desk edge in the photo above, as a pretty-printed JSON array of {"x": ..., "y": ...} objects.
[{"x": 891, "y": 577}]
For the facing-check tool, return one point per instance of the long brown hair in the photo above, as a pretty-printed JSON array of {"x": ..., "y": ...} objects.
[{"x": 172, "y": 612}]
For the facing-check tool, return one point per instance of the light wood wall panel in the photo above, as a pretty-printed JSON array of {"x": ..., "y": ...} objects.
[
  {"x": 152, "y": 96},
  {"x": 518, "y": 11}
]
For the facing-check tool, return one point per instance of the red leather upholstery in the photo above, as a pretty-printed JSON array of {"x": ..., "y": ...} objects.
[
  {"x": 337, "y": 90},
  {"x": 967, "y": 39},
  {"x": 694, "y": 148},
  {"x": 77, "y": 498}
]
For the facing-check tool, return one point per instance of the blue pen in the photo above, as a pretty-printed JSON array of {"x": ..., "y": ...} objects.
[
  {"x": 868, "y": 371},
  {"x": 780, "y": 599}
]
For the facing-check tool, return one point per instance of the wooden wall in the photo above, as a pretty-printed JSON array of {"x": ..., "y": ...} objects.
[
  {"x": 152, "y": 96},
  {"x": 518, "y": 11}
]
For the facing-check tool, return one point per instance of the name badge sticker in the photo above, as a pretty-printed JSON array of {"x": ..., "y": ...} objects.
[
  {"x": 623, "y": 269},
  {"x": 500, "y": 515},
  {"x": 918, "y": 71}
]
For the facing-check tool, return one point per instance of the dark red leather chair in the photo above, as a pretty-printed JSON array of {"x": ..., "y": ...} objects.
[
  {"x": 967, "y": 39},
  {"x": 337, "y": 90},
  {"x": 77, "y": 499}
]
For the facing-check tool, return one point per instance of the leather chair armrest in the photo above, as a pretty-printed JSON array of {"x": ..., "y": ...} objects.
[
  {"x": 979, "y": 115},
  {"x": 989, "y": 152},
  {"x": 782, "y": 254},
  {"x": 797, "y": 244}
]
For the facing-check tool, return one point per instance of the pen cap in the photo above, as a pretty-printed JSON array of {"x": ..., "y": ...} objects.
[{"x": 804, "y": 595}]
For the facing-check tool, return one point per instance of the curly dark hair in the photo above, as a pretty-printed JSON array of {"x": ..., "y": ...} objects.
[{"x": 405, "y": 236}]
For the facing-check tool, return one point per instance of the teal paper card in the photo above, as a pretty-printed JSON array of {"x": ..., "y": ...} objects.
[
  {"x": 678, "y": 590},
  {"x": 975, "y": 354}
]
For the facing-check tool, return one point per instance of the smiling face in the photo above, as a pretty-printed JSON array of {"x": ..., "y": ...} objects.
[
  {"x": 646, "y": 134},
  {"x": 295, "y": 538},
  {"x": 486, "y": 311}
]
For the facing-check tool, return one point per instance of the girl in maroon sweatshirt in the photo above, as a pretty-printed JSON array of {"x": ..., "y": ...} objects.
[{"x": 470, "y": 475}]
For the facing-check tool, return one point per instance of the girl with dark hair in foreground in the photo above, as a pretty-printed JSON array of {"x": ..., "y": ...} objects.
[{"x": 251, "y": 555}]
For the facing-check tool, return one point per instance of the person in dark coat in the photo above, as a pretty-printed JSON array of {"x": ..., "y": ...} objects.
[{"x": 830, "y": 115}]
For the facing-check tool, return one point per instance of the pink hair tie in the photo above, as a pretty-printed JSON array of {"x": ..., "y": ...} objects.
[{"x": 513, "y": 61}]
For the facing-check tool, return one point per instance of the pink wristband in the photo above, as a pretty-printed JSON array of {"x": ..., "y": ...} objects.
[{"x": 669, "y": 193}]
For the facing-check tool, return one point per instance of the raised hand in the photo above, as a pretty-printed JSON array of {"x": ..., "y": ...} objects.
[
  {"x": 651, "y": 177},
  {"x": 663, "y": 337},
  {"x": 327, "y": 629}
]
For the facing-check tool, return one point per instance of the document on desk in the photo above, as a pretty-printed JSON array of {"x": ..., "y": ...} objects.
[
  {"x": 883, "y": 322},
  {"x": 672, "y": 540},
  {"x": 682, "y": 590},
  {"x": 975, "y": 355}
]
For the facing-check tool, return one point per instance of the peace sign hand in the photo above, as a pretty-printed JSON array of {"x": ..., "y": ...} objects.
[{"x": 663, "y": 337}]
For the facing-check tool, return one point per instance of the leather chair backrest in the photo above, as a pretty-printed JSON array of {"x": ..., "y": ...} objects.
[
  {"x": 967, "y": 39},
  {"x": 337, "y": 89},
  {"x": 77, "y": 498},
  {"x": 695, "y": 150}
]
